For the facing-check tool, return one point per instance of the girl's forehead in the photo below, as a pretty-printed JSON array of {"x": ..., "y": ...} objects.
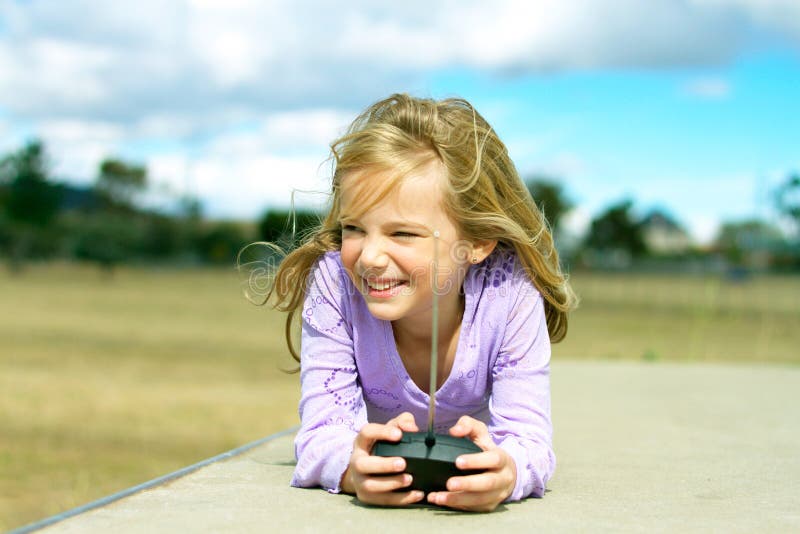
[{"x": 365, "y": 190}]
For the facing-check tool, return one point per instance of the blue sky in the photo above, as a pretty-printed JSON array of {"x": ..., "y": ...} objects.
[
  {"x": 704, "y": 144},
  {"x": 687, "y": 105}
]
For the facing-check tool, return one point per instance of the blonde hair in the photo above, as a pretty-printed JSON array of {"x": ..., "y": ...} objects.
[{"x": 484, "y": 195}]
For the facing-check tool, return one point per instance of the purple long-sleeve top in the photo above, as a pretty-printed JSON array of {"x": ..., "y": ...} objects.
[{"x": 351, "y": 372}]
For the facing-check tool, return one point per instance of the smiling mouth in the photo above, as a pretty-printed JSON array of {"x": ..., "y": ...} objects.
[
  {"x": 384, "y": 289},
  {"x": 382, "y": 286}
]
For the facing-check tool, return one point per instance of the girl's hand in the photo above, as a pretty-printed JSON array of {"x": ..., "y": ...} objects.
[
  {"x": 484, "y": 491},
  {"x": 373, "y": 479}
]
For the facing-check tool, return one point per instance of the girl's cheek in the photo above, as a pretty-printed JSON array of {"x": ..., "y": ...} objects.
[{"x": 349, "y": 253}]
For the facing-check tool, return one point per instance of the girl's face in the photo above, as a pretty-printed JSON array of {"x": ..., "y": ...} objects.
[{"x": 388, "y": 249}]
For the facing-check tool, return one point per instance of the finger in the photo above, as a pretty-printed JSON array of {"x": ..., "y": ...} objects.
[
  {"x": 372, "y": 432},
  {"x": 467, "y": 501},
  {"x": 384, "y": 484},
  {"x": 468, "y": 427},
  {"x": 393, "y": 498},
  {"x": 491, "y": 459},
  {"x": 467, "y": 423},
  {"x": 483, "y": 482},
  {"x": 378, "y": 465},
  {"x": 405, "y": 422}
]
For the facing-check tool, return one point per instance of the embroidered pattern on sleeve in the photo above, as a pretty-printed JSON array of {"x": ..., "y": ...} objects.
[{"x": 308, "y": 315}]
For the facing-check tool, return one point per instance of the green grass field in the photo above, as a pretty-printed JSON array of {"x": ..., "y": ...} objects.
[{"x": 110, "y": 381}]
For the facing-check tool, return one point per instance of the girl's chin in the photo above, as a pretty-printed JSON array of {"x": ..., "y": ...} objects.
[{"x": 386, "y": 310}]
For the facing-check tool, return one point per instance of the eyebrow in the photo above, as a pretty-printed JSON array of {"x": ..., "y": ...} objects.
[
  {"x": 407, "y": 224},
  {"x": 392, "y": 225}
]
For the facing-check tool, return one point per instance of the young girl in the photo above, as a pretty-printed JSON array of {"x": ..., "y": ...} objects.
[{"x": 363, "y": 284}]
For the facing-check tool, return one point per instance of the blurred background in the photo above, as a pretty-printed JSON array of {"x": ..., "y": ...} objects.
[{"x": 143, "y": 144}]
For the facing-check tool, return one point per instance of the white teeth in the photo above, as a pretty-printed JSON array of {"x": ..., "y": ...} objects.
[{"x": 381, "y": 287}]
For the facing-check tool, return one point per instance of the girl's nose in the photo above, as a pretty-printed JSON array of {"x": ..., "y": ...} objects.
[{"x": 373, "y": 254}]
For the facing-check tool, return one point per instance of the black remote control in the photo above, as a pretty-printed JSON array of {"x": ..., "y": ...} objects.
[{"x": 429, "y": 464}]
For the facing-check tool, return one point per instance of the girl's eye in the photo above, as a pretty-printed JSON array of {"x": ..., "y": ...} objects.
[
  {"x": 405, "y": 235},
  {"x": 350, "y": 228}
]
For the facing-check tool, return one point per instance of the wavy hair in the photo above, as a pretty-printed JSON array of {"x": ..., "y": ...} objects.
[{"x": 484, "y": 195}]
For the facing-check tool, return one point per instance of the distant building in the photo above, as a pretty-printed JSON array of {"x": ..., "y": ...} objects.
[
  {"x": 663, "y": 235},
  {"x": 753, "y": 243}
]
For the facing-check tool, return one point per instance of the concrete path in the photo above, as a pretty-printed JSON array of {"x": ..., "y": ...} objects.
[{"x": 641, "y": 447}]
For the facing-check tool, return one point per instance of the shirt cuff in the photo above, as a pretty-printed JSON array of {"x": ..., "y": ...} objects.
[
  {"x": 528, "y": 483},
  {"x": 334, "y": 470}
]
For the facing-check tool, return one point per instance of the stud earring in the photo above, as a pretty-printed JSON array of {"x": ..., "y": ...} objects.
[{"x": 474, "y": 259}]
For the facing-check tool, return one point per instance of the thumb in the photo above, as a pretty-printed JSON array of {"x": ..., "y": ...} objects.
[{"x": 474, "y": 430}]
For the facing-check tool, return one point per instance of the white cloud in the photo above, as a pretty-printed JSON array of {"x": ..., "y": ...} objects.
[
  {"x": 241, "y": 184},
  {"x": 128, "y": 61},
  {"x": 781, "y": 16},
  {"x": 315, "y": 126},
  {"x": 239, "y": 173},
  {"x": 708, "y": 88},
  {"x": 76, "y": 147},
  {"x": 564, "y": 164},
  {"x": 171, "y": 172},
  {"x": 8, "y": 140},
  {"x": 166, "y": 126},
  {"x": 577, "y": 221},
  {"x": 243, "y": 187},
  {"x": 251, "y": 92},
  {"x": 50, "y": 73},
  {"x": 703, "y": 227}
]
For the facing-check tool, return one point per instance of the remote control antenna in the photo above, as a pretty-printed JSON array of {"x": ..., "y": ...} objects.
[{"x": 430, "y": 439}]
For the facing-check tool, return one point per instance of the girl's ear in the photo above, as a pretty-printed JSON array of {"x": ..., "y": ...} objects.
[{"x": 481, "y": 249}]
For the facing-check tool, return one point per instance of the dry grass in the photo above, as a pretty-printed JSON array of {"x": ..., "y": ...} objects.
[
  {"x": 109, "y": 382},
  {"x": 685, "y": 318}
]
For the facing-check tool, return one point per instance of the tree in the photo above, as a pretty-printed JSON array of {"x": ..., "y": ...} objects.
[
  {"x": 787, "y": 201},
  {"x": 29, "y": 200},
  {"x": 120, "y": 182},
  {"x": 106, "y": 239},
  {"x": 190, "y": 208},
  {"x": 286, "y": 229},
  {"x": 220, "y": 242},
  {"x": 617, "y": 230},
  {"x": 751, "y": 242},
  {"x": 551, "y": 199}
]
